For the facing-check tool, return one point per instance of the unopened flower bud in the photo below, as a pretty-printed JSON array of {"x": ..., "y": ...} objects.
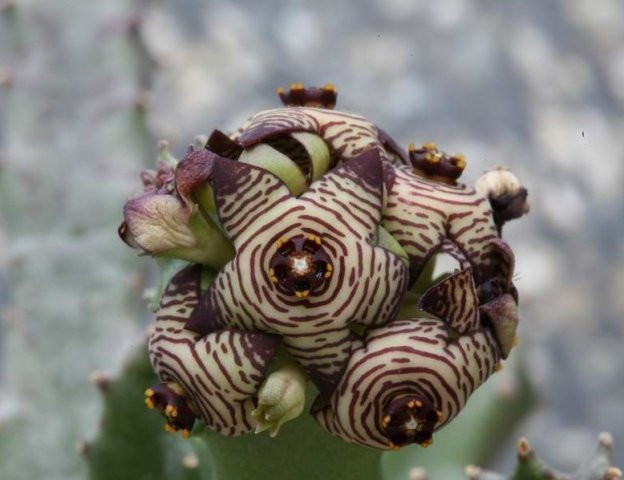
[
  {"x": 163, "y": 220},
  {"x": 506, "y": 194},
  {"x": 281, "y": 398}
]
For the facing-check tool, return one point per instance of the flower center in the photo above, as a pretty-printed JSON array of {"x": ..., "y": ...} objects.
[
  {"x": 413, "y": 425},
  {"x": 299, "y": 265},
  {"x": 409, "y": 419}
]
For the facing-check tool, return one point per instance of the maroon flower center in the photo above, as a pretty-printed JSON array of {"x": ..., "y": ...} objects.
[
  {"x": 409, "y": 419},
  {"x": 432, "y": 162},
  {"x": 300, "y": 265}
]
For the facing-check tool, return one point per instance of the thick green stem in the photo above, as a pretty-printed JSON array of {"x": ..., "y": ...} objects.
[
  {"x": 301, "y": 451},
  {"x": 131, "y": 443}
]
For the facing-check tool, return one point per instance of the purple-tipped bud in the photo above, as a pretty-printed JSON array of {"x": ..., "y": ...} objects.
[
  {"x": 506, "y": 195},
  {"x": 300, "y": 96}
]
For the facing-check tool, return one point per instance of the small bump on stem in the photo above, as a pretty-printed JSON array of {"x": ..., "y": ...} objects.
[
  {"x": 190, "y": 461},
  {"x": 524, "y": 448},
  {"x": 100, "y": 379}
]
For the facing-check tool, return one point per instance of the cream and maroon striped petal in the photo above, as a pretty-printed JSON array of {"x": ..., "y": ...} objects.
[
  {"x": 449, "y": 248},
  {"x": 244, "y": 194},
  {"x": 322, "y": 356},
  {"x": 366, "y": 286},
  {"x": 219, "y": 373},
  {"x": 304, "y": 268},
  {"x": 455, "y": 301},
  {"x": 271, "y": 123},
  {"x": 352, "y": 194},
  {"x": 407, "y": 381},
  {"x": 347, "y": 135},
  {"x": 423, "y": 214}
]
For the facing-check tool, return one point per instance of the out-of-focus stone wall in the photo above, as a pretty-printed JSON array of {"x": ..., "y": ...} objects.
[{"x": 87, "y": 87}]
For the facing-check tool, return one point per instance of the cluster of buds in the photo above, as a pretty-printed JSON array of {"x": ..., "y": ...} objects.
[{"x": 304, "y": 231}]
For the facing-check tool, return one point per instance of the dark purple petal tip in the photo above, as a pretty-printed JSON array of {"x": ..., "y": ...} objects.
[
  {"x": 431, "y": 162},
  {"x": 368, "y": 167},
  {"x": 223, "y": 145},
  {"x": 193, "y": 171},
  {"x": 173, "y": 406},
  {"x": 300, "y": 96}
]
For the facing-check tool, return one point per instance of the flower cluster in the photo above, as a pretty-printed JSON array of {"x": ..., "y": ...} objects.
[{"x": 305, "y": 231}]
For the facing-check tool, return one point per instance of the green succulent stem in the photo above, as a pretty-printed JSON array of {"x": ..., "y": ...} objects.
[
  {"x": 598, "y": 466},
  {"x": 131, "y": 443},
  {"x": 301, "y": 451}
]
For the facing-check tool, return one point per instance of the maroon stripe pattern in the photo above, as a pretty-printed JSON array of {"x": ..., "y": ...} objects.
[
  {"x": 454, "y": 300},
  {"x": 343, "y": 210},
  {"x": 427, "y": 217},
  {"x": 220, "y": 373},
  {"x": 420, "y": 213},
  {"x": 346, "y": 134},
  {"x": 417, "y": 359},
  {"x": 309, "y": 271}
]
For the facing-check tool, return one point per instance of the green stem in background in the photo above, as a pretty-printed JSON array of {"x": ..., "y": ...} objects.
[
  {"x": 16, "y": 32},
  {"x": 599, "y": 466},
  {"x": 301, "y": 451},
  {"x": 131, "y": 443},
  {"x": 137, "y": 128}
]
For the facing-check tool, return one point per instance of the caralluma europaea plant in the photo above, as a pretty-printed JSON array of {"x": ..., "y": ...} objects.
[{"x": 303, "y": 233}]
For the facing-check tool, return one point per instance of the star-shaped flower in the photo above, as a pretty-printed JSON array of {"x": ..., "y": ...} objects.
[
  {"x": 306, "y": 268},
  {"x": 411, "y": 377}
]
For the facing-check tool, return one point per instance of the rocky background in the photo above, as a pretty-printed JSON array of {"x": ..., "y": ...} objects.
[{"x": 87, "y": 88}]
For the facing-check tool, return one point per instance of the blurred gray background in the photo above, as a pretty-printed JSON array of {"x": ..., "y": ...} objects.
[{"x": 86, "y": 89}]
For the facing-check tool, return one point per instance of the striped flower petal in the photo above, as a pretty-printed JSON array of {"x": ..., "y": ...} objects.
[
  {"x": 455, "y": 301},
  {"x": 317, "y": 221},
  {"x": 346, "y": 134},
  {"x": 422, "y": 215},
  {"x": 412, "y": 377},
  {"x": 306, "y": 267},
  {"x": 218, "y": 374}
]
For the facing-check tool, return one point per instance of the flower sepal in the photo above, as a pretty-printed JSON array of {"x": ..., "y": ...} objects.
[
  {"x": 210, "y": 247},
  {"x": 281, "y": 398}
]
